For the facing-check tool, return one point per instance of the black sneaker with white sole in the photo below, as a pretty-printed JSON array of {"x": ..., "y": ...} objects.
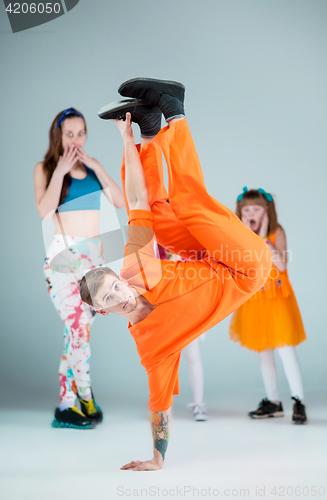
[
  {"x": 147, "y": 116},
  {"x": 267, "y": 409},
  {"x": 299, "y": 415}
]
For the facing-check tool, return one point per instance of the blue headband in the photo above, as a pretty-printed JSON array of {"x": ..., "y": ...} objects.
[
  {"x": 64, "y": 114},
  {"x": 262, "y": 191}
]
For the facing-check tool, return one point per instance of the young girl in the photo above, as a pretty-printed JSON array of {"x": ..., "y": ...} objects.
[
  {"x": 68, "y": 185},
  {"x": 270, "y": 320},
  {"x": 193, "y": 359}
]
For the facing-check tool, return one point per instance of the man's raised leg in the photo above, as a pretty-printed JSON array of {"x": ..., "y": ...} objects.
[
  {"x": 170, "y": 232},
  {"x": 216, "y": 227}
]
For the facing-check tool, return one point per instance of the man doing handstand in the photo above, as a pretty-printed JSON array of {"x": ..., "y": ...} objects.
[{"x": 169, "y": 304}]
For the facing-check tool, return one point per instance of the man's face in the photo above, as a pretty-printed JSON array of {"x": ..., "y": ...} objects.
[{"x": 115, "y": 296}]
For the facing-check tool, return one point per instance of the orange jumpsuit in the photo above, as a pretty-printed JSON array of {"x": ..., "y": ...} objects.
[{"x": 227, "y": 261}]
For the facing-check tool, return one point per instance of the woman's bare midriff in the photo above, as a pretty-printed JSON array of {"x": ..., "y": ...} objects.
[{"x": 82, "y": 223}]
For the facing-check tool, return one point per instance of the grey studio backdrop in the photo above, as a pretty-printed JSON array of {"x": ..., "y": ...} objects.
[{"x": 255, "y": 74}]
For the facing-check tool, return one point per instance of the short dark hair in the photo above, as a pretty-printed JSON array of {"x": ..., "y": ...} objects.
[{"x": 91, "y": 283}]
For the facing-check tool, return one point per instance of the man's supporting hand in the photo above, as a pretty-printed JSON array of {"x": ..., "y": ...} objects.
[
  {"x": 138, "y": 465},
  {"x": 160, "y": 423}
]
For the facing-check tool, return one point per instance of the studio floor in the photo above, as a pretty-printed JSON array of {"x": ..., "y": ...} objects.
[{"x": 230, "y": 455}]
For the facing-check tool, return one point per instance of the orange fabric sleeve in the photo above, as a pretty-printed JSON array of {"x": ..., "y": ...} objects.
[
  {"x": 163, "y": 383},
  {"x": 141, "y": 269}
]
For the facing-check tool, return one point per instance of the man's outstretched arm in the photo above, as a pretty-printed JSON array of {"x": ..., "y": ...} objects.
[
  {"x": 160, "y": 424},
  {"x": 135, "y": 185}
]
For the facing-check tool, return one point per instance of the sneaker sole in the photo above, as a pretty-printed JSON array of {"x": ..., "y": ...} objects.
[
  {"x": 277, "y": 414},
  {"x": 114, "y": 108},
  {"x": 299, "y": 423},
  {"x": 158, "y": 86},
  {"x": 152, "y": 80},
  {"x": 65, "y": 425},
  {"x": 95, "y": 421}
]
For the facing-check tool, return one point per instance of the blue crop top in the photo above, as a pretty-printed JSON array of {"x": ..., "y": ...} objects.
[{"x": 78, "y": 189}]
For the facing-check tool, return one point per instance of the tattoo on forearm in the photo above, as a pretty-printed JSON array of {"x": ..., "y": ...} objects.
[
  {"x": 160, "y": 432},
  {"x": 100, "y": 177}
]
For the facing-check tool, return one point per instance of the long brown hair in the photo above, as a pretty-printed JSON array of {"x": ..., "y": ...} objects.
[
  {"x": 254, "y": 197},
  {"x": 55, "y": 150}
]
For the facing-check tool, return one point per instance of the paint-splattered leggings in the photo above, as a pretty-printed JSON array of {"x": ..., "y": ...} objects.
[{"x": 63, "y": 275}]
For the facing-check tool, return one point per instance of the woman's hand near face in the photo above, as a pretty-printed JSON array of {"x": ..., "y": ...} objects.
[
  {"x": 264, "y": 226},
  {"x": 92, "y": 163},
  {"x": 67, "y": 160}
]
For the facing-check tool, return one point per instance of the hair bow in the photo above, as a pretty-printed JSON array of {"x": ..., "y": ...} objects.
[
  {"x": 262, "y": 191},
  {"x": 240, "y": 196},
  {"x": 64, "y": 114},
  {"x": 267, "y": 195}
]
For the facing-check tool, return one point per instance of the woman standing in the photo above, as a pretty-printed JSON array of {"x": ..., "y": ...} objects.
[{"x": 68, "y": 185}]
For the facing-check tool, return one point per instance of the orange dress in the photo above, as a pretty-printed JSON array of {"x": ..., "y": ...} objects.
[
  {"x": 190, "y": 296},
  {"x": 270, "y": 318}
]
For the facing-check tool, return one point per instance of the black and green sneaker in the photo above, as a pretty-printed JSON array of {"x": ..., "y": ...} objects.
[
  {"x": 299, "y": 415},
  {"x": 91, "y": 409},
  {"x": 71, "y": 418},
  {"x": 267, "y": 409}
]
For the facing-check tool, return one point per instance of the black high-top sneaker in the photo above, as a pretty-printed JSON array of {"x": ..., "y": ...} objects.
[
  {"x": 167, "y": 95},
  {"x": 71, "y": 418},
  {"x": 91, "y": 410},
  {"x": 147, "y": 116},
  {"x": 267, "y": 409},
  {"x": 299, "y": 415}
]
